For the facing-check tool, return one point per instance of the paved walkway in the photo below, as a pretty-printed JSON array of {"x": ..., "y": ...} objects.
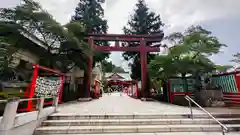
[
  {"x": 173, "y": 133},
  {"x": 116, "y": 104}
]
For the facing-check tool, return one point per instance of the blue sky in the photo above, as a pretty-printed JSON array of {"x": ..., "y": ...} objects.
[
  {"x": 222, "y": 17},
  {"x": 227, "y": 30}
]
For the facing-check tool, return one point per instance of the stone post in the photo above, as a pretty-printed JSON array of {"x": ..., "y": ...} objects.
[
  {"x": 40, "y": 106},
  {"x": 55, "y": 102},
  {"x": 9, "y": 114}
]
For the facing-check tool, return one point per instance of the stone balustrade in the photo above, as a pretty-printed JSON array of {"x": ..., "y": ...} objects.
[{"x": 12, "y": 123}]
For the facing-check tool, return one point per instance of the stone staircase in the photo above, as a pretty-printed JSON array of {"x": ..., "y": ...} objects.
[{"x": 102, "y": 124}]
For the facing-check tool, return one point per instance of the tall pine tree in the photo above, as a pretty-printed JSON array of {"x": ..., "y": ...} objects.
[
  {"x": 91, "y": 14},
  {"x": 143, "y": 21}
]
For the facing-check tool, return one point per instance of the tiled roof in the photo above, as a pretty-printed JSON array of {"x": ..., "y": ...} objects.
[{"x": 126, "y": 76}]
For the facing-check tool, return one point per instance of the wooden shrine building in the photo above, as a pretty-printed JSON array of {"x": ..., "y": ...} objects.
[{"x": 120, "y": 81}]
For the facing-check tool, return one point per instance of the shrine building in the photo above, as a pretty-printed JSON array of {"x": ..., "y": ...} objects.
[{"x": 120, "y": 81}]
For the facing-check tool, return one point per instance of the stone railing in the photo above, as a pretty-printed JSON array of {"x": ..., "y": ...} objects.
[{"x": 12, "y": 123}]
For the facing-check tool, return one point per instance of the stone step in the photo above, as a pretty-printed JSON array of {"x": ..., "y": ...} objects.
[
  {"x": 137, "y": 116},
  {"x": 105, "y": 122},
  {"x": 130, "y": 129},
  {"x": 161, "y": 133}
]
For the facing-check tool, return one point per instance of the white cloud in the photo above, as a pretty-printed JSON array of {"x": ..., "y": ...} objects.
[
  {"x": 9, "y": 3},
  {"x": 176, "y": 14},
  {"x": 62, "y": 10}
]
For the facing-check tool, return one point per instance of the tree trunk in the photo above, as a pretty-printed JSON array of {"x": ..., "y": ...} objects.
[
  {"x": 185, "y": 83},
  {"x": 198, "y": 87},
  {"x": 165, "y": 91}
]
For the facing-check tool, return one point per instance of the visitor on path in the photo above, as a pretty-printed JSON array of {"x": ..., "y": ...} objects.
[
  {"x": 153, "y": 92},
  {"x": 101, "y": 91},
  {"x": 109, "y": 91},
  {"x": 125, "y": 90}
]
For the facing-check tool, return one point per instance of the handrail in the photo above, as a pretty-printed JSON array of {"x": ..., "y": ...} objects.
[
  {"x": 27, "y": 99},
  {"x": 3, "y": 101},
  {"x": 189, "y": 99}
]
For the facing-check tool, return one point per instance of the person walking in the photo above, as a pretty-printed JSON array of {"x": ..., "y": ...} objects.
[{"x": 109, "y": 91}]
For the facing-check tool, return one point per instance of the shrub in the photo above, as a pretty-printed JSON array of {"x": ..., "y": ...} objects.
[{"x": 7, "y": 95}]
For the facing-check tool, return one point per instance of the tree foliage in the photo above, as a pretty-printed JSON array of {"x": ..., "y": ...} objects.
[
  {"x": 189, "y": 54},
  {"x": 223, "y": 68},
  {"x": 91, "y": 14},
  {"x": 118, "y": 69},
  {"x": 236, "y": 58},
  {"x": 110, "y": 67},
  {"x": 143, "y": 21},
  {"x": 64, "y": 45},
  {"x": 6, "y": 72}
]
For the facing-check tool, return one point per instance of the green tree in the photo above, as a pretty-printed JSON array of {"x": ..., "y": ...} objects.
[
  {"x": 189, "y": 55},
  {"x": 223, "y": 68},
  {"x": 64, "y": 45},
  {"x": 6, "y": 72},
  {"x": 177, "y": 64},
  {"x": 110, "y": 67},
  {"x": 236, "y": 58},
  {"x": 118, "y": 70},
  {"x": 91, "y": 14},
  {"x": 162, "y": 67},
  {"x": 143, "y": 21},
  {"x": 107, "y": 66}
]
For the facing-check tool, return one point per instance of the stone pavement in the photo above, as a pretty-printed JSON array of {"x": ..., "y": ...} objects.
[
  {"x": 116, "y": 104},
  {"x": 173, "y": 133}
]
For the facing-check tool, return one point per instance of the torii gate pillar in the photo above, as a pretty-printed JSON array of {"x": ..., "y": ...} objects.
[
  {"x": 143, "y": 58},
  {"x": 90, "y": 61}
]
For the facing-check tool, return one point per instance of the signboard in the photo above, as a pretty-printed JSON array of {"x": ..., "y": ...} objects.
[{"x": 47, "y": 86}]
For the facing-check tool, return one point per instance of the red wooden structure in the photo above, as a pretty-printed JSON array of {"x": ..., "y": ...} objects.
[
  {"x": 143, "y": 49},
  {"x": 97, "y": 88},
  {"x": 29, "y": 93}
]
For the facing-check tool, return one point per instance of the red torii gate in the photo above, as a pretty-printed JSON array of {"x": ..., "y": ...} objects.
[{"x": 142, "y": 48}]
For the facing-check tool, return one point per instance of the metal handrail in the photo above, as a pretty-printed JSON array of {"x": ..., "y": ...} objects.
[{"x": 189, "y": 99}]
